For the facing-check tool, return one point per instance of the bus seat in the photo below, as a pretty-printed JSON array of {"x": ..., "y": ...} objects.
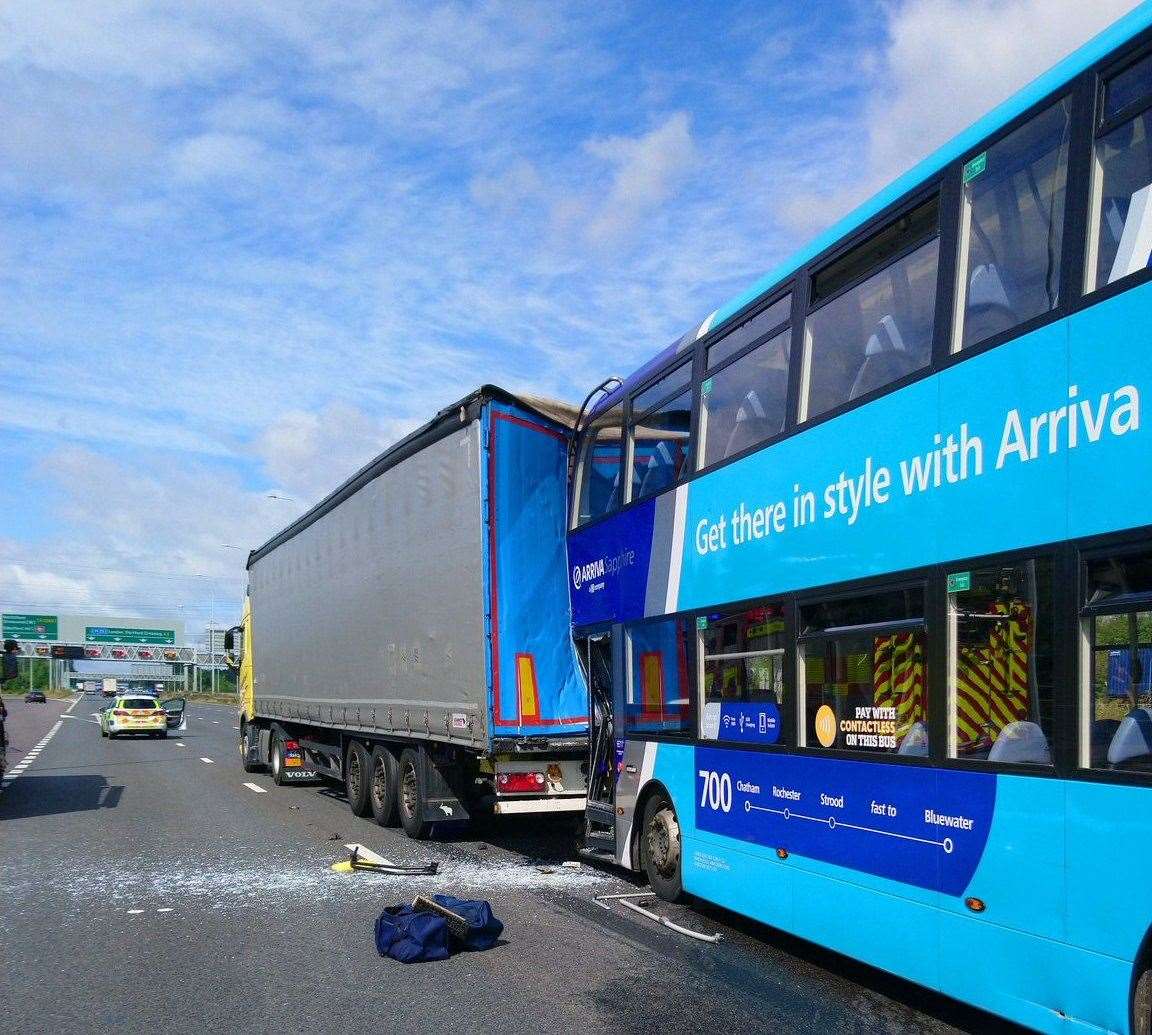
[
  {"x": 662, "y": 470},
  {"x": 760, "y": 415},
  {"x": 1021, "y": 742},
  {"x": 915, "y": 742},
  {"x": 1133, "y": 737},
  {"x": 886, "y": 359},
  {"x": 1135, "y": 248},
  {"x": 988, "y": 310}
]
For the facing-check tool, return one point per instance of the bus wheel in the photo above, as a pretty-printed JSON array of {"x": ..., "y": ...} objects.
[
  {"x": 382, "y": 788},
  {"x": 357, "y": 766},
  {"x": 1142, "y": 1005},
  {"x": 410, "y": 798},
  {"x": 660, "y": 848}
]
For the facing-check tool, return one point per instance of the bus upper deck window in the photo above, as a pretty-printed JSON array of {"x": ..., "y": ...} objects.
[
  {"x": 1117, "y": 633},
  {"x": 1012, "y": 221},
  {"x": 743, "y": 400},
  {"x": 601, "y": 463},
  {"x": 873, "y": 314},
  {"x": 660, "y": 432},
  {"x": 1120, "y": 213}
]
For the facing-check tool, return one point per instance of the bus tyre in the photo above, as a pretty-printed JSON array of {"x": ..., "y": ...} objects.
[
  {"x": 1142, "y": 1005},
  {"x": 382, "y": 786},
  {"x": 661, "y": 848},
  {"x": 410, "y": 797},
  {"x": 246, "y": 747},
  {"x": 277, "y": 764},
  {"x": 357, "y": 775}
]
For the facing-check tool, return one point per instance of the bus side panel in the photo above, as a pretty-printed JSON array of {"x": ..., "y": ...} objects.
[
  {"x": 1109, "y": 908},
  {"x": 537, "y": 687},
  {"x": 1047, "y": 985}
]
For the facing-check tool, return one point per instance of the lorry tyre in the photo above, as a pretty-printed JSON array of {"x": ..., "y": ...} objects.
[
  {"x": 277, "y": 761},
  {"x": 382, "y": 786},
  {"x": 410, "y": 796},
  {"x": 357, "y": 777},
  {"x": 246, "y": 750},
  {"x": 661, "y": 848},
  {"x": 1142, "y": 1005}
]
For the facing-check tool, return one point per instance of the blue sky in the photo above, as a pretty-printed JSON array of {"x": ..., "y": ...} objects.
[{"x": 246, "y": 246}]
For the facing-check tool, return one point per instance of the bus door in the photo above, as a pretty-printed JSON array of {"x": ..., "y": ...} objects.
[{"x": 596, "y": 656}]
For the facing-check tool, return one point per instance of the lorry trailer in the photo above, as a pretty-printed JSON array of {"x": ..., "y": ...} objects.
[{"x": 409, "y": 636}]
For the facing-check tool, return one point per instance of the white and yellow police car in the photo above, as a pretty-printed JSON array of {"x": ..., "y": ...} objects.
[{"x": 134, "y": 713}]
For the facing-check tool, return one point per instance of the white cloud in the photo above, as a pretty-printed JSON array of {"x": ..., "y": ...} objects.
[
  {"x": 309, "y": 453},
  {"x": 217, "y": 156},
  {"x": 645, "y": 172},
  {"x": 947, "y": 62}
]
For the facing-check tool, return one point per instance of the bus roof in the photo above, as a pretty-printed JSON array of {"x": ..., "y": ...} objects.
[{"x": 1061, "y": 73}]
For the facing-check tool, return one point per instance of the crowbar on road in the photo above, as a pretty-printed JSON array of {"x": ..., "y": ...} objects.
[
  {"x": 604, "y": 902},
  {"x": 361, "y": 858}
]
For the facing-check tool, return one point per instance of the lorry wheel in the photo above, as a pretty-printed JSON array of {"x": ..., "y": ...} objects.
[
  {"x": 661, "y": 848},
  {"x": 278, "y": 762},
  {"x": 410, "y": 798},
  {"x": 246, "y": 751},
  {"x": 357, "y": 777},
  {"x": 382, "y": 786}
]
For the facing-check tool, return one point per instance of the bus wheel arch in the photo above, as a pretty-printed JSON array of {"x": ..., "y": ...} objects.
[
  {"x": 657, "y": 842},
  {"x": 1140, "y": 998}
]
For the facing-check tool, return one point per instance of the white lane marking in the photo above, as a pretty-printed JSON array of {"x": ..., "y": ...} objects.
[
  {"x": 208, "y": 760},
  {"x": 255, "y": 787},
  {"x": 215, "y": 722},
  {"x": 164, "y": 909},
  {"x": 133, "y": 911},
  {"x": 236, "y": 727},
  {"x": 181, "y": 744}
]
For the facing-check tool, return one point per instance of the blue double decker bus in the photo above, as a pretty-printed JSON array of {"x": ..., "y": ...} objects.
[{"x": 861, "y": 573}]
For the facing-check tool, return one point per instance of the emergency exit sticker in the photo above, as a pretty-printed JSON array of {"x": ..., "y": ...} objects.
[
  {"x": 975, "y": 167},
  {"x": 960, "y": 582}
]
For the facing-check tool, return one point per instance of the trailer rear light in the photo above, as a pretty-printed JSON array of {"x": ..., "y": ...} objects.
[
  {"x": 518, "y": 783},
  {"x": 291, "y": 745}
]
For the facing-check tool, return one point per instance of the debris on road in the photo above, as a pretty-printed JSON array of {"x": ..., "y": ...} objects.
[
  {"x": 361, "y": 858},
  {"x": 605, "y": 902}
]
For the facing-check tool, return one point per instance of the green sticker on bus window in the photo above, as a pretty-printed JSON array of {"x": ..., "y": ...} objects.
[
  {"x": 975, "y": 167},
  {"x": 960, "y": 582},
  {"x": 701, "y": 623},
  {"x": 706, "y": 387}
]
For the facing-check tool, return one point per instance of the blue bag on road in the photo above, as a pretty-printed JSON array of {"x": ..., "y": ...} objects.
[
  {"x": 417, "y": 933},
  {"x": 410, "y": 935},
  {"x": 483, "y": 928}
]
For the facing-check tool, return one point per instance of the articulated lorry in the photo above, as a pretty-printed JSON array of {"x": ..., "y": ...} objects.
[{"x": 409, "y": 636}]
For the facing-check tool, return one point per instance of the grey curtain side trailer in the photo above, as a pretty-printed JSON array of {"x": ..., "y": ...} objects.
[{"x": 410, "y": 635}]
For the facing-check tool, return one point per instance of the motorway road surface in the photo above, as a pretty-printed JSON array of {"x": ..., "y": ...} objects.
[{"x": 154, "y": 886}]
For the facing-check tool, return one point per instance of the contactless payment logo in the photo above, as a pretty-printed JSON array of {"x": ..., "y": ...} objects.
[{"x": 826, "y": 726}]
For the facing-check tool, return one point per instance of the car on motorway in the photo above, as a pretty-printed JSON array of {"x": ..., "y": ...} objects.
[
  {"x": 35, "y": 697},
  {"x": 135, "y": 713}
]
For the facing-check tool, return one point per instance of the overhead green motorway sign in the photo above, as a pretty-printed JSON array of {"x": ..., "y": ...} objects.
[
  {"x": 114, "y": 634},
  {"x": 30, "y": 627}
]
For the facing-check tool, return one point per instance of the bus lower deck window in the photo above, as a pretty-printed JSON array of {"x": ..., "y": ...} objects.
[
  {"x": 864, "y": 673},
  {"x": 1002, "y": 651},
  {"x": 660, "y": 688},
  {"x": 1117, "y": 636}
]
